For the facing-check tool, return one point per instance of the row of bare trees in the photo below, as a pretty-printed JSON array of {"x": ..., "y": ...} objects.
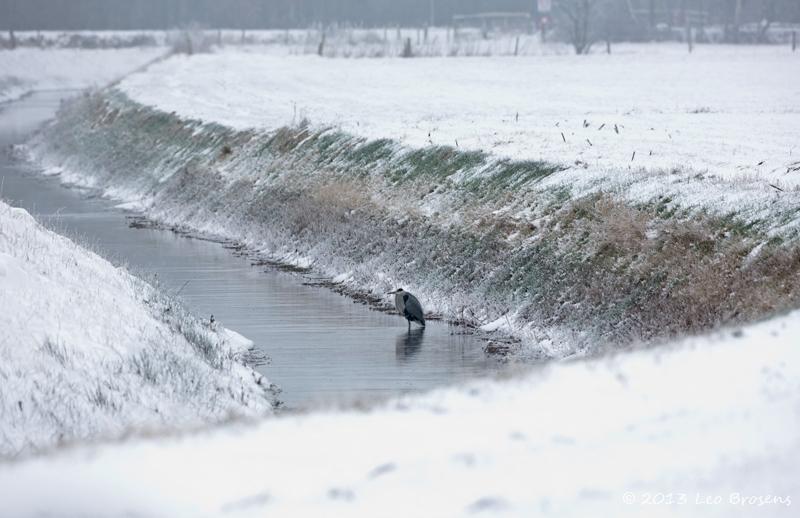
[
  {"x": 253, "y": 14},
  {"x": 237, "y": 14},
  {"x": 583, "y": 22}
]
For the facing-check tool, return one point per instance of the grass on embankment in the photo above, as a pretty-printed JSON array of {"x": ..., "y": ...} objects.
[{"x": 478, "y": 238}]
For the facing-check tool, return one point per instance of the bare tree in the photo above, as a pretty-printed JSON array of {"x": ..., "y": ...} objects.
[
  {"x": 579, "y": 19},
  {"x": 737, "y": 20},
  {"x": 768, "y": 12}
]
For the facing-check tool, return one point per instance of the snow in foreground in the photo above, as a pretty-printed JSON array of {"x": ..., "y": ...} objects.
[
  {"x": 710, "y": 427},
  {"x": 728, "y": 111},
  {"x": 26, "y": 69},
  {"x": 89, "y": 351}
]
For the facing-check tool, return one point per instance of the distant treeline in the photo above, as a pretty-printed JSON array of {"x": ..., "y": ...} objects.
[
  {"x": 257, "y": 14},
  {"x": 248, "y": 14}
]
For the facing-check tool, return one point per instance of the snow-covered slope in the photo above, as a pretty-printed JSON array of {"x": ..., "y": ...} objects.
[
  {"x": 727, "y": 111},
  {"x": 26, "y": 69},
  {"x": 89, "y": 351},
  {"x": 707, "y": 427},
  {"x": 479, "y": 238}
]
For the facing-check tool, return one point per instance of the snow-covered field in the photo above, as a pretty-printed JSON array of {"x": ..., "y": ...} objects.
[
  {"x": 726, "y": 111},
  {"x": 26, "y": 69},
  {"x": 88, "y": 351},
  {"x": 706, "y": 427}
]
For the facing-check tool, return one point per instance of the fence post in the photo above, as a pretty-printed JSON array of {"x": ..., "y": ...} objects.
[
  {"x": 321, "y": 46},
  {"x": 689, "y": 37},
  {"x": 516, "y": 46},
  {"x": 407, "y": 52},
  {"x": 794, "y": 41}
]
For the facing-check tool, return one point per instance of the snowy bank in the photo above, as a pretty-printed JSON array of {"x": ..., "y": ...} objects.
[
  {"x": 26, "y": 69},
  {"x": 706, "y": 427},
  {"x": 88, "y": 351},
  {"x": 723, "y": 111},
  {"x": 480, "y": 238}
]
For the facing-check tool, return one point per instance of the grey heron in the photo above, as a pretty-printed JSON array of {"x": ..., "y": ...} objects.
[{"x": 408, "y": 306}]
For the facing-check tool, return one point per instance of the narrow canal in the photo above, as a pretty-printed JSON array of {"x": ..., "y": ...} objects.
[{"x": 323, "y": 347}]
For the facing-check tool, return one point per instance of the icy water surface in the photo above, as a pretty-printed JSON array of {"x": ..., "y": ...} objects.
[{"x": 323, "y": 346}]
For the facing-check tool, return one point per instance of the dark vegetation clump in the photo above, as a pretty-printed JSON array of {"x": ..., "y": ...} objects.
[{"x": 637, "y": 275}]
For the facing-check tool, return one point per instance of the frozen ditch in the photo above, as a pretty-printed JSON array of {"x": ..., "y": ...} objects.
[{"x": 323, "y": 347}]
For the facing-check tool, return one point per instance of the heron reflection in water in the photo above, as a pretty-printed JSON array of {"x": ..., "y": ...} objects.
[{"x": 409, "y": 343}]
